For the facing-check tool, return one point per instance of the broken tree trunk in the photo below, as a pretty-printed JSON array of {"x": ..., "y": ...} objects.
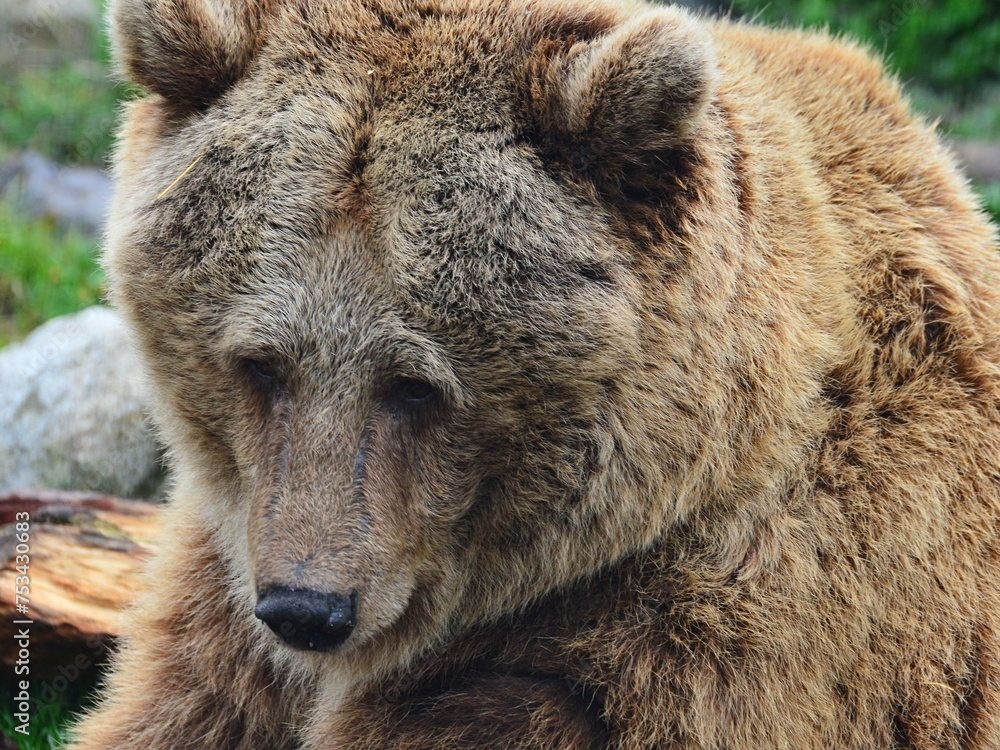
[{"x": 84, "y": 552}]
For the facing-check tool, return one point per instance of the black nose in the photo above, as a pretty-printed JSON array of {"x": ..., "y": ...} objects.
[{"x": 308, "y": 620}]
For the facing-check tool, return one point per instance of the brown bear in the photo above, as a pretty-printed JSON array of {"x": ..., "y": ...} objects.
[{"x": 551, "y": 374}]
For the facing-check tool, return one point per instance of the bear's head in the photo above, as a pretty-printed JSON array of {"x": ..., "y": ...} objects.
[{"x": 425, "y": 295}]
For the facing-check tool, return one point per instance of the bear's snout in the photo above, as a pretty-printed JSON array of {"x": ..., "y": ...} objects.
[{"x": 308, "y": 620}]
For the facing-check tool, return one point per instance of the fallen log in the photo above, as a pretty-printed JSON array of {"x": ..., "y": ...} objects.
[{"x": 81, "y": 554}]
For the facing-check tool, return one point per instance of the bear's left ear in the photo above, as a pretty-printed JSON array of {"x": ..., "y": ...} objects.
[
  {"x": 188, "y": 51},
  {"x": 642, "y": 87}
]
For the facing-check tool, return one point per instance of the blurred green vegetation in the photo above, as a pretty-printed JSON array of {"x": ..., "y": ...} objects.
[
  {"x": 991, "y": 199},
  {"x": 49, "y": 719},
  {"x": 952, "y": 46},
  {"x": 65, "y": 112},
  {"x": 57, "y": 93},
  {"x": 60, "y": 100},
  {"x": 44, "y": 272}
]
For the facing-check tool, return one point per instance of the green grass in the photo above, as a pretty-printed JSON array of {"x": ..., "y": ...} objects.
[
  {"x": 44, "y": 272},
  {"x": 49, "y": 720},
  {"x": 66, "y": 112},
  {"x": 991, "y": 199},
  {"x": 61, "y": 102},
  {"x": 980, "y": 121},
  {"x": 952, "y": 46}
]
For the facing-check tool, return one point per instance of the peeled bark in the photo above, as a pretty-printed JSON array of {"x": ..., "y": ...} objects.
[{"x": 85, "y": 553}]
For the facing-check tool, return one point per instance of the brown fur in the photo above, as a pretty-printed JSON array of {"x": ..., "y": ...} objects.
[{"x": 713, "y": 459}]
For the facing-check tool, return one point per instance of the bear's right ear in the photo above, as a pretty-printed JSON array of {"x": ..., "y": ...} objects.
[
  {"x": 617, "y": 100},
  {"x": 188, "y": 51}
]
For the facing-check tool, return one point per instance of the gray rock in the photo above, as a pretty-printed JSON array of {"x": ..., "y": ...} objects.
[
  {"x": 981, "y": 159},
  {"x": 28, "y": 27},
  {"x": 49, "y": 11},
  {"x": 71, "y": 410},
  {"x": 74, "y": 197}
]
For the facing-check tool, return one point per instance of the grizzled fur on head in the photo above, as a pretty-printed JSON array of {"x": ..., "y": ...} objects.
[
  {"x": 635, "y": 375},
  {"x": 346, "y": 227}
]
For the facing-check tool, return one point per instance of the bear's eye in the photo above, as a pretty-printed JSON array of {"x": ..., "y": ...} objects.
[
  {"x": 594, "y": 272},
  {"x": 413, "y": 391},
  {"x": 262, "y": 374}
]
